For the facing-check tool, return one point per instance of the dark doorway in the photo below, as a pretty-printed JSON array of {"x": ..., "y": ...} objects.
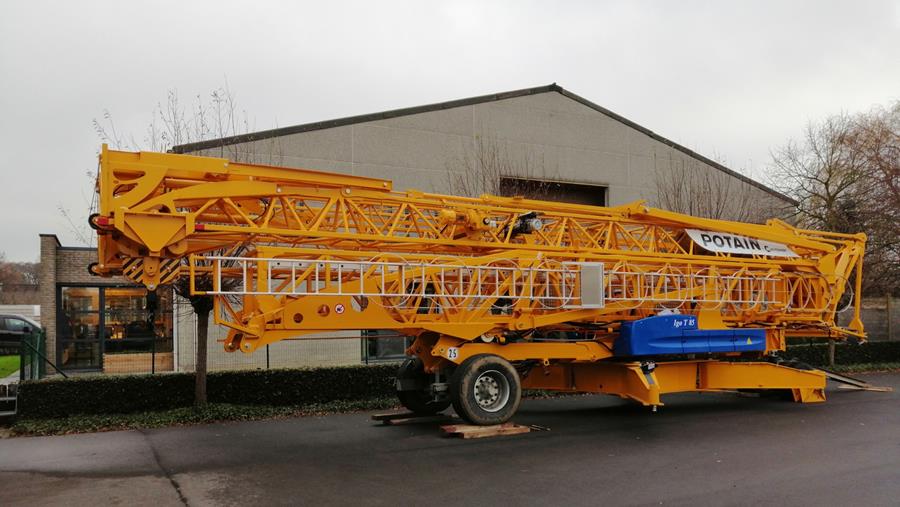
[{"x": 559, "y": 191}]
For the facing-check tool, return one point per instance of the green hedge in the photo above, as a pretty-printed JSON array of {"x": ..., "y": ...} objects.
[
  {"x": 142, "y": 393},
  {"x": 846, "y": 353},
  {"x": 101, "y": 395},
  {"x": 294, "y": 387},
  {"x": 302, "y": 387}
]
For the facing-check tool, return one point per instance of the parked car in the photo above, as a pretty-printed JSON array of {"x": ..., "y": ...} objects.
[{"x": 13, "y": 328}]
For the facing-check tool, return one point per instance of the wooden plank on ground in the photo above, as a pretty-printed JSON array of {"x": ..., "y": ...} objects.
[
  {"x": 396, "y": 418},
  {"x": 391, "y": 415},
  {"x": 869, "y": 388},
  {"x": 472, "y": 431}
]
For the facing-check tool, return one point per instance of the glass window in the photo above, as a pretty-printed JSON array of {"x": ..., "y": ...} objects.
[
  {"x": 97, "y": 324},
  {"x": 136, "y": 320},
  {"x": 384, "y": 346},
  {"x": 16, "y": 325},
  {"x": 78, "y": 327}
]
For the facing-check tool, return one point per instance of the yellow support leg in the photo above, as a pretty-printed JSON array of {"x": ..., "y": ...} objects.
[
  {"x": 645, "y": 385},
  {"x": 807, "y": 395},
  {"x": 808, "y": 386}
]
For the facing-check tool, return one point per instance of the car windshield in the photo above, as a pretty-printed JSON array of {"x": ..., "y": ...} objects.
[{"x": 29, "y": 322}]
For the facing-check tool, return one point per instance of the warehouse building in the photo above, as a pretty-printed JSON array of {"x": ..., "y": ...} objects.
[
  {"x": 510, "y": 142},
  {"x": 543, "y": 141}
]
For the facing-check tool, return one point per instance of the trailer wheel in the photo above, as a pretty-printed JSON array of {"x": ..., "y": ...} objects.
[
  {"x": 485, "y": 390},
  {"x": 413, "y": 389}
]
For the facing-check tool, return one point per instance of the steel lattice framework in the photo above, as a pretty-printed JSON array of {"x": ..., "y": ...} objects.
[
  {"x": 290, "y": 252},
  {"x": 156, "y": 209}
]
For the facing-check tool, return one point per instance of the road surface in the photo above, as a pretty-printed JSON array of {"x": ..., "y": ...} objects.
[{"x": 700, "y": 449}]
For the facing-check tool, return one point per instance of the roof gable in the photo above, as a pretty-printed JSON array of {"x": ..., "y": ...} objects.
[{"x": 297, "y": 129}]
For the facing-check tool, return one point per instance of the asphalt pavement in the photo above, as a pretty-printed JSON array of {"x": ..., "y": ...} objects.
[{"x": 699, "y": 449}]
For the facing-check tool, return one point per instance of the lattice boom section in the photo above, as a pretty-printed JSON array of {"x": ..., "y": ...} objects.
[
  {"x": 544, "y": 284},
  {"x": 458, "y": 285}
]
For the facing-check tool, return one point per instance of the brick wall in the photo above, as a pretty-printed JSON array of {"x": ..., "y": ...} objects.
[
  {"x": 72, "y": 268},
  {"x": 47, "y": 292}
]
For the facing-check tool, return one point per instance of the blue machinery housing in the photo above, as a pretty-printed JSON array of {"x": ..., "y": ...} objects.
[{"x": 678, "y": 334}]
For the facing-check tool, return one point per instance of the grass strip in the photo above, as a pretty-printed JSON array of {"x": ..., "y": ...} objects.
[{"x": 8, "y": 364}]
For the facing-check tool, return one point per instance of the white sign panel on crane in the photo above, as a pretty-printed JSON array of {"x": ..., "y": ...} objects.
[{"x": 736, "y": 244}]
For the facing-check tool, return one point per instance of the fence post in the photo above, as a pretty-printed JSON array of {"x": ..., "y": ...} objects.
[
  {"x": 21, "y": 361},
  {"x": 42, "y": 349},
  {"x": 42, "y": 355},
  {"x": 890, "y": 325},
  {"x": 831, "y": 353}
]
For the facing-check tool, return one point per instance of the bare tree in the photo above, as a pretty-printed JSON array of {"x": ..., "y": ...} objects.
[
  {"x": 876, "y": 137},
  {"x": 845, "y": 174},
  {"x": 493, "y": 168},
  {"x": 696, "y": 189},
  {"x": 17, "y": 273},
  {"x": 77, "y": 221},
  {"x": 825, "y": 177},
  {"x": 172, "y": 124},
  {"x": 208, "y": 118}
]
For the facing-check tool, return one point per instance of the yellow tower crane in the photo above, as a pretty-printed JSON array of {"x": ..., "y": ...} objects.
[{"x": 500, "y": 293}]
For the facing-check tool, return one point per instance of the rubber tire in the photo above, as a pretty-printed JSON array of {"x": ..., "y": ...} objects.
[
  {"x": 462, "y": 390},
  {"x": 419, "y": 402}
]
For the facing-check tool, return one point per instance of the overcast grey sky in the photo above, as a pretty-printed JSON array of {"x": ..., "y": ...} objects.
[{"x": 727, "y": 78}]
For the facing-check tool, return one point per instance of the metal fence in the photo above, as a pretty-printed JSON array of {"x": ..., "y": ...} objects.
[
  {"x": 33, "y": 356},
  {"x": 177, "y": 353}
]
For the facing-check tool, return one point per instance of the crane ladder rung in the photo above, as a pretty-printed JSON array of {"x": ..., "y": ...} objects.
[{"x": 570, "y": 285}]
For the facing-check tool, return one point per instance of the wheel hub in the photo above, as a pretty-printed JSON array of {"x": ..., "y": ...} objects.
[{"x": 491, "y": 391}]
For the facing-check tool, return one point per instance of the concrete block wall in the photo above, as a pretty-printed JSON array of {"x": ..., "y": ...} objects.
[
  {"x": 880, "y": 316},
  {"x": 561, "y": 138},
  {"x": 339, "y": 349}
]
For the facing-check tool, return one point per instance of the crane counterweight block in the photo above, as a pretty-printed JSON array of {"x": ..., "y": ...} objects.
[{"x": 630, "y": 300}]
